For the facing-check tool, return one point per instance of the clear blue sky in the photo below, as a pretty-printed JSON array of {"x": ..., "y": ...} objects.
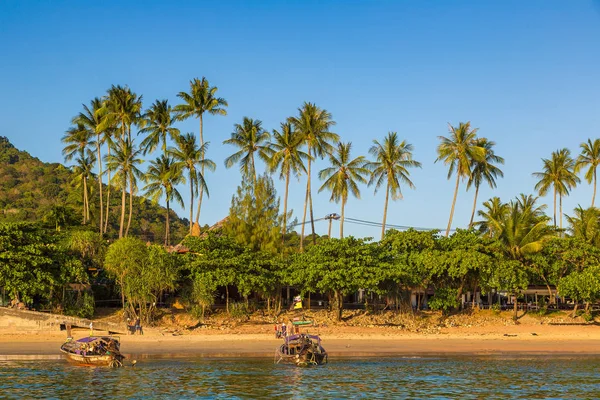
[{"x": 526, "y": 73}]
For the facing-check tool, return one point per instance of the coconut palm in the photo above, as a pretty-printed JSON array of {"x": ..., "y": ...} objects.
[
  {"x": 458, "y": 152},
  {"x": 250, "y": 138},
  {"x": 192, "y": 158},
  {"x": 121, "y": 107},
  {"x": 589, "y": 157},
  {"x": 484, "y": 170},
  {"x": 492, "y": 216},
  {"x": 201, "y": 99},
  {"x": 524, "y": 227},
  {"x": 91, "y": 118},
  {"x": 314, "y": 124},
  {"x": 392, "y": 160},
  {"x": 558, "y": 173},
  {"x": 83, "y": 172},
  {"x": 124, "y": 162},
  {"x": 285, "y": 155},
  {"x": 158, "y": 124},
  {"x": 79, "y": 141},
  {"x": 585, "y": 224},
  {"x": 163, "y": 176},
  {"x": 343, "y": 177}
]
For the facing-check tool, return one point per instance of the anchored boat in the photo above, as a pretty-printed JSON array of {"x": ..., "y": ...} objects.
[
  {"x": 302, "y": 349},
  {"x": 94, "y": 351}
]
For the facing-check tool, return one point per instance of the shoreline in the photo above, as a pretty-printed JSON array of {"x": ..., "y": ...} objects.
[{"x": 559, "y": 341}]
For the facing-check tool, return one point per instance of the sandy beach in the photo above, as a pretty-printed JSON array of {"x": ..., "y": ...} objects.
[{"x": 526, "y": 339}]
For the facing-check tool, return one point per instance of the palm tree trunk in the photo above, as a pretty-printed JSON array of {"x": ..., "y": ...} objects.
[
  {"x": 285, "y": 199},
  {"x": 200, "y": 195},
  {"x": 85, "y": 211},
  {"x": 167, "y": 226},
  {"x": 130, "y": 205},
  {"x": 253, "y": 169},
  {"x": 561, "y": 217},
  {"x": 594, "y": 195},
  {"x": 100, "y": 185},
  {"x": 342, "y": 219},
  {"x": 312, "y": 218},
  {"x": 453, "y": 204},
  {"x": 474, "y": 206},
  {"x": 305, "y": 203},
  {"x": 387, "y": 195},
  {"x": 191, "y": 203},
  {"x": 555, "y": 207},
  {"x": 122, "y": 211},
  {"x": 107, "y": 196}
]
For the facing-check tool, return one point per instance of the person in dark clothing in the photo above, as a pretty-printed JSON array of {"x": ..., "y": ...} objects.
[{"x": 138, "y": 327}]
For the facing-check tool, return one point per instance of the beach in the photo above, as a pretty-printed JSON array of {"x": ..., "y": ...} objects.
[{"x": 525, "y": 338}]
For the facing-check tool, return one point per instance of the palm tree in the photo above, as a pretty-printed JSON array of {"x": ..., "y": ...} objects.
[
  {"x": 78, "y": 140},
  {"x": 91, "y": 118},
  {"x": 122, "y": 107},
  {"x": 393, "y": 158},
  {"x": 589, "y": 157},
  {"x": 314, "y": 124},
  {"x": 83, "y": 172},
  {"x": 286, "y": 156},
  {"x": 163, "y": 176},
  {"x": 492, "y": 216},
  {"x": 202, "y": 98},
  {"x": 459, "y": 151},
  {"x": 484, "y": 170},
  {"x": 343, "y": 177},
  {"x": 558, "y": 172},
  {"x": 249, "y": 137},
  {"x": 124, "y": 162},
  {"x": 191, "y": 157},
  {"x": 158, "y": 124},
  {"x": 585, "y": 224}
]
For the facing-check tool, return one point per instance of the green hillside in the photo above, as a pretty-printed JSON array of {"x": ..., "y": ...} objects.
[{"x": 31, "y": 189}]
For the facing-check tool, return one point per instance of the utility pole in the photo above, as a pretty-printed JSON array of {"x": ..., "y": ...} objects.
[{"x": 331, "y": 217}]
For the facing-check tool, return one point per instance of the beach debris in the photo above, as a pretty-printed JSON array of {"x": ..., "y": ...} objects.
[
  {"x": 510, "y": 335},
  {"x": 533, "y": 334}
]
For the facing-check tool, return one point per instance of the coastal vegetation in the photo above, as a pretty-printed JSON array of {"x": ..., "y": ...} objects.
[{"x": 78, "y": 243}]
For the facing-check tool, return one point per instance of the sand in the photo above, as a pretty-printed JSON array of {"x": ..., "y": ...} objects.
[{"x": 525, "y": 339}]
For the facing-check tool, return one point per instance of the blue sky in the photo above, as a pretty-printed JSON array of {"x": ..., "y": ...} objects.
[{"x": 525, "y": 73}]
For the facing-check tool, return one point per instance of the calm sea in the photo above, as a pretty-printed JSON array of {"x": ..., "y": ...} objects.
[{"x": 428, "y": 377}]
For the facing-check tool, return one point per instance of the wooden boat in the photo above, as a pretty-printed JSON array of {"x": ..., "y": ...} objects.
[
  {"x": 94, "y": 351},
  {"x": 301, "y": 349}
]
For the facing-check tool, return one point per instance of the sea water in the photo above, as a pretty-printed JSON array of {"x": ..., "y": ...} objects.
[{"x": 462, "y": 377}]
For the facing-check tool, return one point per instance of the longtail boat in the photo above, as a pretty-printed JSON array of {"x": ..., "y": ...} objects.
[
  {"x": 301, "y": 349},
  {"x": 94, "y": 351}
]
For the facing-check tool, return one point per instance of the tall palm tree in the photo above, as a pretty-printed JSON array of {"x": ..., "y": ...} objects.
[
  {"x": 484, "y": 170},
  {"x": 343, "y": 177},
  {"x": 163, "y": 176},
  {"x": 250, "y": 138},
  {"x": 158, "y": 124},
  {"x": 285, "y": 155},
  {"x": 79, "y": 142},
  {"x": 91, "y": 118},
  {"x": 558, "y": 173},
  {"x": 393, "y": 158},
  {"x": 589, "y": 157},
  {"x": 314, "y": 124},
  {"x": 458, "y": 152},
  {"x": 124, "y": 162},
  {"x": 201, "y": 99},
  {"x": 123, "y": 107},
  {"x": 192, "y": 158},
  {"x": 83, "y": 172},
  {"x": 585, "y": 224},
  {"x": 492, "y": 215}
]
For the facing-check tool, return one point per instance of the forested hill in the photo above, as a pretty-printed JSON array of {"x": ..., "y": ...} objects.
[{"x": 32, "y": 190}]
